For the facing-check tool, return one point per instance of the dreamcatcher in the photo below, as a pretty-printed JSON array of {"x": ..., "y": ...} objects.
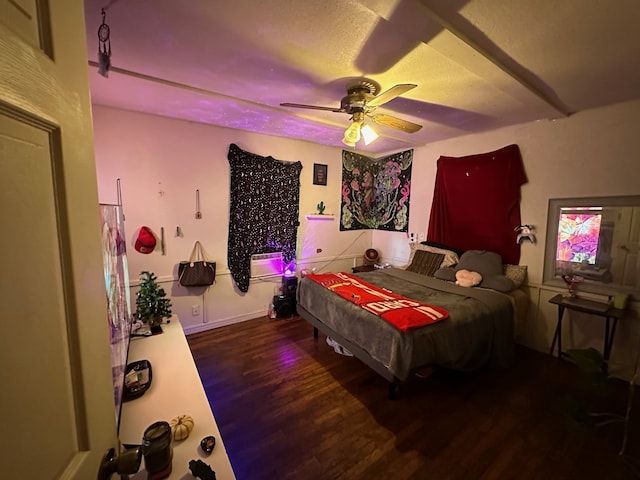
[{"x": 104, "y": 47}]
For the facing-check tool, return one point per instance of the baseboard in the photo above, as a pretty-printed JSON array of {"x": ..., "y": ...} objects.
[{"x": 222, "y": 322}]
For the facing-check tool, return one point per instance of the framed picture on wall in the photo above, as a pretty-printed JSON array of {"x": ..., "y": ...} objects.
[{"x": 319, "y": 174}]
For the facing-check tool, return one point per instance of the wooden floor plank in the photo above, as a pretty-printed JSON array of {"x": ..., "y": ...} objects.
[{"x": 289, "y": 407}]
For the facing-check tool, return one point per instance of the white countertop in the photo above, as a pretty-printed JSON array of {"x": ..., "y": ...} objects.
[{"x": 175, "y": 389}]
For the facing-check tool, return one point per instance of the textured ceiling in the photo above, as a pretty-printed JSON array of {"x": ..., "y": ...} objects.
[{"x": 477, "y": 64}]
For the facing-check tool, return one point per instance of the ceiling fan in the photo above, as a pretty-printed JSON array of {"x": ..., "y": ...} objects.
[{"x": 362, "y": 100}]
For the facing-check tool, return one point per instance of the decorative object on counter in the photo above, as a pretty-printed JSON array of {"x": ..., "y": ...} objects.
[
  {"x": 201, "y": 470},
  {"x": 321, "y": 207},
  {"x": 207, "y": 444},
  {"x": 146, "y": 241},
  {"x": 198, "y": 271},
  {"x": 127, "y": 463},
  {"x": 137, "y": 379},
  {"x": 151, "y": 302},
  {"x": 572, "y": 282},
  {"x": 181, "y": 427},
  {"x": 157, "y": 450}
]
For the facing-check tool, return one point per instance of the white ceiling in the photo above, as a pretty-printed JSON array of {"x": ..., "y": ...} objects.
[{"x": 478, "y": 64}]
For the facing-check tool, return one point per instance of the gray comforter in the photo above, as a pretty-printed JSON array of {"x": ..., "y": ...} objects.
[{"x": 479, "y": 330}]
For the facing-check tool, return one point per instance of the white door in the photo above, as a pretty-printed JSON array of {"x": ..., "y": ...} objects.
[{"x": 57, "y": 397}]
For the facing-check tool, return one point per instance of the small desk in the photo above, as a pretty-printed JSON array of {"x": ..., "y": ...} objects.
[{"x": 593, "y": 308}]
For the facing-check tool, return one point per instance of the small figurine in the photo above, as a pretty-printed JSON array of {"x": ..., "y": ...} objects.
[
  {"x": 572, "y": 282},
  {"x": 321, "y": 208}
]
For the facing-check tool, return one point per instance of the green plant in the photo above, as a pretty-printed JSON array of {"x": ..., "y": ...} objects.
[
  {"x": 321, "y": 208},
  {"x": 597, "y": 382},
  {"x": 151, "y": 302}
]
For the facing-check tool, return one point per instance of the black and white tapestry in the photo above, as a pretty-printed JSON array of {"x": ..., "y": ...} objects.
[
  {"x": 375, "y": 192},
  {"x": 263, "y": 210}
]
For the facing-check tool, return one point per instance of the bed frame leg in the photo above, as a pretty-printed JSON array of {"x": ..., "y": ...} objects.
[
  {"x": 393, "y": 389},
  {"x": 315, "y": 332}
]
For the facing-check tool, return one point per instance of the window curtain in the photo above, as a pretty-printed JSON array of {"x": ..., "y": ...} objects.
[
  {"x": 375, "y": 192},
  {"x": 263, "y": 210},
  {"x": 476, "y": 202}
]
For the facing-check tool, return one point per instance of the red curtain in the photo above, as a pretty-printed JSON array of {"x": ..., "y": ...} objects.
[{"x": 476, "y": 202}]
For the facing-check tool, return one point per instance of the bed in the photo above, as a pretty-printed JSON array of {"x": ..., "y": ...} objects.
[{"x": 478, "y": 331}]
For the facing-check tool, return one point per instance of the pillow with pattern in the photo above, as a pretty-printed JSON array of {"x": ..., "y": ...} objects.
[
  {"x": 450, "y": 257},
  {"x": 517, "y": 273},
  {"x": 425, "y": 263}
]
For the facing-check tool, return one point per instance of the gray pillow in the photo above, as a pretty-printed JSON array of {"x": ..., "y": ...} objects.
[
  {"x": 488, "y": 264},
  {"x": 484, "y": 262},
  {"x": 446, "y": 273},
  {"x": 499, "y": 283}
]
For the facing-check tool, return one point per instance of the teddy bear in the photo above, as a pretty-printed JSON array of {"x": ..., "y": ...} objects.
[
  {"x": 466, "y": 278},
  {"x": 479, "y": 268}
]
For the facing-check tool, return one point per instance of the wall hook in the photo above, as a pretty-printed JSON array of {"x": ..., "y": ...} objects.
[
  {"x": 119, "y": 196},
  {"x": 198, "y": 213}
]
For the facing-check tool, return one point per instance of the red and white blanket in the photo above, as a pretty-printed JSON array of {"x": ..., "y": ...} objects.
[{"x": 401, "y": 312}]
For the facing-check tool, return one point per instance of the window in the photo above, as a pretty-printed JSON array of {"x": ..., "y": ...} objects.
[{"x": 597, "y": 239}]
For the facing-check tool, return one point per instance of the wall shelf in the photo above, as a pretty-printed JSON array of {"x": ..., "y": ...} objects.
[{"x": 325, "y": 216}]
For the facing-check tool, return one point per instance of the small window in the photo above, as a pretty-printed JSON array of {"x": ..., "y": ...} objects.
[{"x": 597, "y": 239}]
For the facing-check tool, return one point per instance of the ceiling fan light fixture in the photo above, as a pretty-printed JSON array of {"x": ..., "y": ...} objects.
[
  {"x": 352, "y": 134},
  {"x": 363, "y": 98},
  {"x": 348, "y": 142},
  {"x": 368, "y": 134}
]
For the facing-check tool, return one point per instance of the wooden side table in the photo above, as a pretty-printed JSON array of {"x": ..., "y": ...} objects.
[{"x": 593, "y": 308}]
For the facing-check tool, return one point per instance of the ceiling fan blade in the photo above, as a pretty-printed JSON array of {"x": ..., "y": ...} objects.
[
  {"x": 395, "y": 122},
  {"x": 313, "y": 107},
  {"x": 390, "y": 94}
]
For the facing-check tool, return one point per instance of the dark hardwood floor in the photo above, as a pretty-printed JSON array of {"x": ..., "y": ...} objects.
[{"x": 289, "y": 407}]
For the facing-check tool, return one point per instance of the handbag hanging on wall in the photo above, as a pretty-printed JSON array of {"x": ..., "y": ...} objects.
[{"x": 198, "y": 271}]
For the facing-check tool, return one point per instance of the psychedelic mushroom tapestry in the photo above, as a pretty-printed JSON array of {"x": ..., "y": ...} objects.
[
  {"x": 263, "y": 210},
  {"x": 375, "y": 192}
]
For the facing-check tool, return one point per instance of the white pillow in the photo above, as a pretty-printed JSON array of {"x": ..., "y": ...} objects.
[{"x": 450, "y": 257}]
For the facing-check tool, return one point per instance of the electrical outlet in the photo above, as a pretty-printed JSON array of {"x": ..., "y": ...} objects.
[
  {"x": 195, "y": 310},
  {"x": 421, "y": 236}
]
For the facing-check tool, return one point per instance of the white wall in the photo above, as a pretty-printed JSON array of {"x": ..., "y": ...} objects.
[
  {"x": 592, "y": 153},
  {"x": 161, "y": 162}
]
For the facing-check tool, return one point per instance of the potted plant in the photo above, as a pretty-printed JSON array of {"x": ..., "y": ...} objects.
[
  {"x": 151, "y": 302},
  {"x": 596, "y": 381}
]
